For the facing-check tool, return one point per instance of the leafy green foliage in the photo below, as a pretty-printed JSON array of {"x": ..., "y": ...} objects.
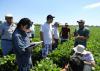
[
  {"x": 58, "y": 57},
  {"x": 8, "y": 63},
  {"x": 46, "y": 65}
]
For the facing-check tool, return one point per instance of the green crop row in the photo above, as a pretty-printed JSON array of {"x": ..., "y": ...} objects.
[{"x": 58, "y": 57}]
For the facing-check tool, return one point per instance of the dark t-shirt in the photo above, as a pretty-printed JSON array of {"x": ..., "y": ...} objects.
[
  {"x": 82, "y": 32},
  {"x": 64, "y": 32}
]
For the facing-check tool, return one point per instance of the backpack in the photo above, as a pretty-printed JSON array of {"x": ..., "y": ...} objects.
[{"x": 76, "y": 63}]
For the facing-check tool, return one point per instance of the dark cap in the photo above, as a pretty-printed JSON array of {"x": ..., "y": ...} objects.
[
  {"x": 56, "y": 23},
  {"x": 81, "y": 21},
  {"x": 50, "y": 17},
  {"x": 66, "y": 24}
]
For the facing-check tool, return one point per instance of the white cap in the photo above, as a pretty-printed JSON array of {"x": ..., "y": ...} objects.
[
  {"x": 8, "y": 15},
  {"x": 79, "y": 49}
]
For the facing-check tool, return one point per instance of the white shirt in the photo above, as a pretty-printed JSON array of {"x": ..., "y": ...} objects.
[
  {"x": 32, "y": 30},
  {"x": 88, "y": 56},
  {"x": 56, "y": 33},
  {"x": 46, "y": 29}
]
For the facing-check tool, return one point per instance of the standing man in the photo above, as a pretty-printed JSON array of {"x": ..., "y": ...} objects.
[
  {"x": 55, "y": 34},
  {"x": 65, "y": 33},
  {"x": 6, "y": 30},
  {"x": 81, "y": 34},
  {"x": 46, "y": 35}
]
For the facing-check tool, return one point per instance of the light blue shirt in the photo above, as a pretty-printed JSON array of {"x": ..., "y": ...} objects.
[{"x": 6, "y": 30}]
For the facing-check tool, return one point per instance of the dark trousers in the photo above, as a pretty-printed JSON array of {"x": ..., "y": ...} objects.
[
  {"x": 24, "y": 62},
  {"x": 64, "y": 40},
  {"x": 55, "y": 45}
]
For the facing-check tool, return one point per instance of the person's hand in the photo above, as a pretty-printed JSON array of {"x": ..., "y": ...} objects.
[
  {"x": 77, "y": 37},
  {"x": 80, "y": 37},
  {"x": 28, "y": 30},
  {"x": 86, "y": 62},
  {"x": 53, "y": 42},
  {"x": 66, "y": 68}
]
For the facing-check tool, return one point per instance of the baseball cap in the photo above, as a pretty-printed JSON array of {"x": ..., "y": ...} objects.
[
  {"x": 56, "y": 23},
  {"x": 8, "y": 15},
  {"x": 50, "y": 16},
  {"x": 81, "y": 21},
  {"x": 66, "y": 24}
]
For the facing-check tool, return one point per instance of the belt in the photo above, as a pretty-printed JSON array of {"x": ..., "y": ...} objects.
[{"x": 6, "y": 39}]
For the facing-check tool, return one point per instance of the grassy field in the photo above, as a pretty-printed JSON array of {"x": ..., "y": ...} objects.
[{"x": 58, "y": 57}]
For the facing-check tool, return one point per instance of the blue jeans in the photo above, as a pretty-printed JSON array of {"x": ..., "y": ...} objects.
[
  {"x": 55, "y": 45},
  {"x": 46, "y": 50},
  {"x": 6, "y": 46}
]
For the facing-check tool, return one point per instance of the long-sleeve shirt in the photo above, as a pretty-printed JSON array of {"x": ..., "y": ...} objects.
[
  {"x": 6, "y": 30},
  {"x": 21, "y": 42}
]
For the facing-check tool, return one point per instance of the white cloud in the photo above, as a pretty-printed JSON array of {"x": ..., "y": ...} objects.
[{"x": 94, "y": 5}]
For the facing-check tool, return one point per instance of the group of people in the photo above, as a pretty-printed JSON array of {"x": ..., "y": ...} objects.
[
  {"x": 81, "y": 59},
  {"x": 50, "y": 35},
  {"x": 18, "y": 37}
]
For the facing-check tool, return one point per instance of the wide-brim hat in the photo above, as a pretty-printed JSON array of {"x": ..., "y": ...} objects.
[{"x": 79, "y": 49}]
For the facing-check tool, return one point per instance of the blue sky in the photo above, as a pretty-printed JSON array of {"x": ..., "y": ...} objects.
[{"x": 64, "y": 10}]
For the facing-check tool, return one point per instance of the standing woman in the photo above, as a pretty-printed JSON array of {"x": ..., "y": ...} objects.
[
  {"x": 6, "y": 30},
  {"x": 21, "y": 45}
]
